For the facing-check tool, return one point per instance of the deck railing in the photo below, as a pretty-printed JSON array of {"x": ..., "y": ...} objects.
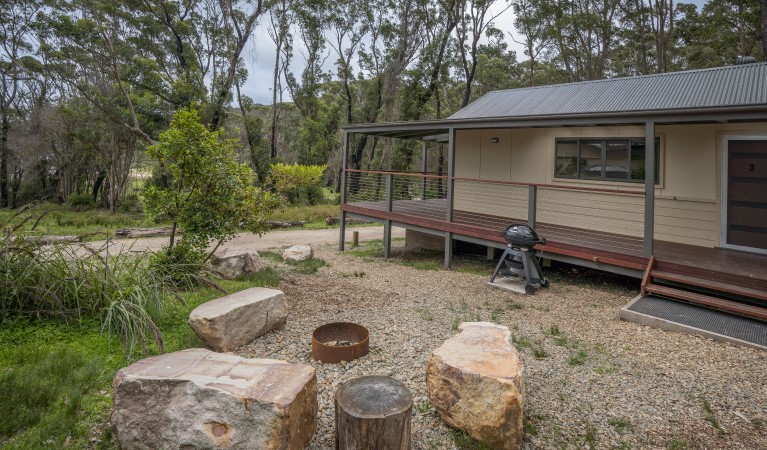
[{"x": 493, "y": 204}]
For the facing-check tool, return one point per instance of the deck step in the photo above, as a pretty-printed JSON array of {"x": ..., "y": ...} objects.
[
  {"x": 710, "y": 284},
  {"x": 709, "y": 301}
]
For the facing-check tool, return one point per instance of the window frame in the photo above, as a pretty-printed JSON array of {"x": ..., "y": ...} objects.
[{"x": 603, "y": 142}]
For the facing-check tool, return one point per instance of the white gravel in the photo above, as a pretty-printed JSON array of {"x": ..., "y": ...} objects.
[{"x": 592, "y": 381}]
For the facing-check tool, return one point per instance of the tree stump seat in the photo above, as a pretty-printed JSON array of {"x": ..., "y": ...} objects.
[{"x": 373, "y": 412}]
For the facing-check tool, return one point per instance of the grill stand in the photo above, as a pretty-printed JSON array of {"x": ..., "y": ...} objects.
[{"x": 521, "y": 261}]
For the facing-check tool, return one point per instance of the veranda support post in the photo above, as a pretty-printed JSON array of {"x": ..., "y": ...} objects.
[
  {"x": 450, "y": 186},
  {"x": 649, "y": 188},
  {"x": 342, "y": 222},
  {"x": 532, "y": 199}
]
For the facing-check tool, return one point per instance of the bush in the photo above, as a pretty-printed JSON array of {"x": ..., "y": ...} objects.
[
  {"x": 300, "y": 185},
  {"x": 81, "y": 201},
  {"x": 180, "y": 268},
  {"x": 131, "y": 204}
]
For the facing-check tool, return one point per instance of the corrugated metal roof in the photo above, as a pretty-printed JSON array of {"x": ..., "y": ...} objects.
[{"x": 740, "y": 85}]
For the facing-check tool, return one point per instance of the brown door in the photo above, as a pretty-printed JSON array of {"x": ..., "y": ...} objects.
[{"x": 747, "y": 194}]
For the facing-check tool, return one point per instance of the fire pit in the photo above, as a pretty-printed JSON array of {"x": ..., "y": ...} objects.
[{"x": 339, "y": 341}]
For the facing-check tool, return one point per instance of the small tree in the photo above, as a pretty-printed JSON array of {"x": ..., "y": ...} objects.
[{"x": 202, "y": 187}]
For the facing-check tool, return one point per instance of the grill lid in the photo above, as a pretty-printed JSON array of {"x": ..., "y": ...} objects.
[{"x": 521, "y": 234}]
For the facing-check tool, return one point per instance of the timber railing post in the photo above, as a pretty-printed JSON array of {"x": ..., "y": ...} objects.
[
  {"x": 423, "y": 170},
  {"x": 532, "y": 200},
  {"x": 389, "y": 207},
  {"x": 342, "y": 220},
  {"x": 649, "y": 188}
]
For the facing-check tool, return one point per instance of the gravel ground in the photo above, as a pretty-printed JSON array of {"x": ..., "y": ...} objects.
[{"x": 592, "y": 381}]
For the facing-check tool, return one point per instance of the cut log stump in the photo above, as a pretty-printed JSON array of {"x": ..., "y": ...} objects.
[{"x": 373, "y": 412}]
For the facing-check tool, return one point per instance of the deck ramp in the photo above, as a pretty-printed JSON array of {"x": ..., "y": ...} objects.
[
  {"x": 666, "y": 314},
  {"x": 717, "y": 289}
]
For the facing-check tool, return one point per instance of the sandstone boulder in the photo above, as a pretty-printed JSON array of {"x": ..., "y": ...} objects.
[
  {"x": 230, "y": 263},
  {"x": 237, "y": 319},
  {"x": 298, "y": 253},
  {"x": 197, "y": 399},
  {"x": 474, "y": 380}
]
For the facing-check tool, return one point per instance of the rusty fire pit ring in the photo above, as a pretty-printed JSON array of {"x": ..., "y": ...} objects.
[{"x": 339, "y": 331}]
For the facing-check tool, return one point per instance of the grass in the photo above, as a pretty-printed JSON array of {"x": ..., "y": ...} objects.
[
  {"x": 677, "y": 443},
  {"x": 95, "y": 224},
  {"x": 313, "y": 215},
  {"x": 536, "y": 347},
  {"x": 423, "y": 407},
  {"x": 578, "y": 359},
  {"x": 529, "y": 424},
  {"x": 621, "y": 424},
  {"x": 58, "y": 375},
  {"x": 512, "y": 305},
  {"x": 710, "y": 417},
  {"x": 46, "y": 388},
  {"x": 305, "y": 267},
  {"x": 604, "y": 370},
  {"x": 425, "y": 314},
  {"x": 464, "y": 441}
]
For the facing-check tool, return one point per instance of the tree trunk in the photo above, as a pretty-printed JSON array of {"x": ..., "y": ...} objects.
[
  {"x": 373, "y": 412},
  {"x": 4, "y": 162},
  {"x": 273, "y": 129},
  {"x": 763, "y": 15}
]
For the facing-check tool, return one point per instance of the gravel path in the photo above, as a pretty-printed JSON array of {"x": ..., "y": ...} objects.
[
  {"x": 592, "y": 380},
  {"x": 272, "y": 239}
]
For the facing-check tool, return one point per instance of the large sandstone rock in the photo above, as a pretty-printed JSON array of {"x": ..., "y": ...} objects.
[
  {"x": 230, "y": 263},
  {"x": 237, "y": 319},
  {"x": 298, "y": 253},
  {"x": 474, "y": 380},
  {"x": 198, "y": 399}
]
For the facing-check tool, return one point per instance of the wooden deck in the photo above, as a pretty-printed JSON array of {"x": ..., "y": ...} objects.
[{"x": 722, "y": 266}]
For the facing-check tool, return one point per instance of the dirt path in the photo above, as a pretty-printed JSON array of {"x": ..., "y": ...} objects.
[{"x": 272, "y": 239}]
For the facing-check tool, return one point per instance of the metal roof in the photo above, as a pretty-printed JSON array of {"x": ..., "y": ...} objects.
[{"x": 719, "y": 87}]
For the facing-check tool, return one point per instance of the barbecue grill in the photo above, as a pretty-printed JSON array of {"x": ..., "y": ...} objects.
[{"x": 519, "y": 257}]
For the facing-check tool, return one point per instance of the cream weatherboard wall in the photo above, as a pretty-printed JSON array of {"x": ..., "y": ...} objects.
[{"x": 687, "y": 206}]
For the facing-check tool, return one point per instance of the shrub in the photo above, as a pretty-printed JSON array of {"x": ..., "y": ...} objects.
[
  {"x": 300, "y": 185},
  {"x": 131, "y": 204},
  {"x": 179, "y": 268},
  {"x": 81, "y": 201}
]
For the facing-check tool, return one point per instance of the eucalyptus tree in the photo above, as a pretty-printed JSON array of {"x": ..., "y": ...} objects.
[
  {"x": 530, "y": 22},
  {"x": 280, "y": 18},
  {"x": 240, "y": 21},
  {"x": 583, "y": 33},
  {"x": 431, "y": 66},
  {"x": 474, "y": 19},
  {"x": 18, "y": 66}
]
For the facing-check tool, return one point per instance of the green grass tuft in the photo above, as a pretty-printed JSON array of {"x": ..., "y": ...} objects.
[
  {"x": 621, "y": 424},
  {"x": 577, "y": 359},
  {"x": 464, "y": 441}
]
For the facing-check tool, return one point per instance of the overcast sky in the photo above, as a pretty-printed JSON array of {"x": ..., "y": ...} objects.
[{"x": 260, "y": 55}]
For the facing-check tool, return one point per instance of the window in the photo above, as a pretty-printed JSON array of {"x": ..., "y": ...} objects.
[{"x": 610, "y": 159}]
